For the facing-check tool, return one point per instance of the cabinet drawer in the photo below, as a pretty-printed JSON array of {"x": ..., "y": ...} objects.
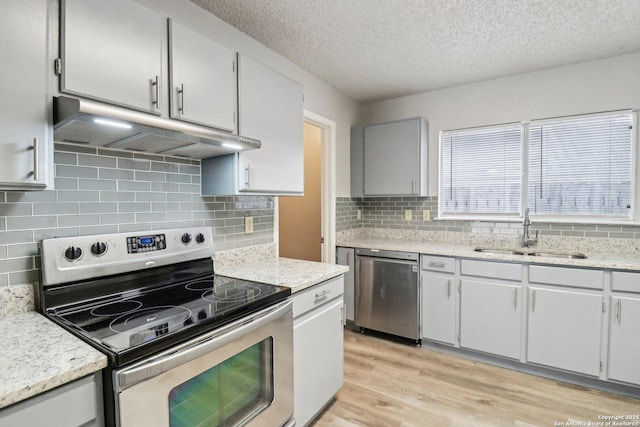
[
  {"x": 625, "y": 281},
  {"x": 317, "y": 295},
  {"x": 576, "y": 277},
  {"x": 497, "y": 270},
  {"x": 438, "y": 263}
]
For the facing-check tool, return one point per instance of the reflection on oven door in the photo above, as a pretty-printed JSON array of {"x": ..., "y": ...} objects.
[{"x": 240, "y": 374}]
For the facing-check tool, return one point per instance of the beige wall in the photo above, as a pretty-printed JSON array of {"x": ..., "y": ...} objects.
[
  {"x": 300, "y": 221},
  {"x": 603, "y": 85}
]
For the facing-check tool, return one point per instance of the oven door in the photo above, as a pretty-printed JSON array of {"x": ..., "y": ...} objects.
[{"x": 239, "y": 374}]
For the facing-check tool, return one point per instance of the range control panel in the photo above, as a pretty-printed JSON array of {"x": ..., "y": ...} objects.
[
  {"x": 66, "y": 259},
  {"x": 137, "y": 244}
]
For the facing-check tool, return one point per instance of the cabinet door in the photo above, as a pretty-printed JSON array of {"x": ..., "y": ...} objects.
[
  {"x": 203, "y": 79},
  {"x": 318, "y": 359},
  {"x": 392, "y": 158},
  {"x": 491, "y": 317},
  {"x": 624, "y": 347},
  {"x": 346, "y": 256},
  {"x": 23, "y": 88},
  {"x": 112, "y": 51},
  {"x": 357, "y": 161},
  {"x": 438, "y": 308},
  {"x": 270, "y": 109},
  {"x": 565, "y": 329}
]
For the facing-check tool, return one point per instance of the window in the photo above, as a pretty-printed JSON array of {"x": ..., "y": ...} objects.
[
  {"x": 581, "y": 166},
  {"x": 578, "y": 167},
  {"x": 480, "y": 171}
]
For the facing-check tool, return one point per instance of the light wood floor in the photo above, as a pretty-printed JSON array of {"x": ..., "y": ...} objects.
[{"x": 392, "y": 384}]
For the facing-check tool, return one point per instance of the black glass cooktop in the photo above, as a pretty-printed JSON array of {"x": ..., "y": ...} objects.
[{"x": 137, "y": 320}]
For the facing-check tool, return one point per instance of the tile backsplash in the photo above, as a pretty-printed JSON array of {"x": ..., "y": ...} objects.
[
  {"x": 107, "y": 191},
  {"x": 389, "y": 213}
]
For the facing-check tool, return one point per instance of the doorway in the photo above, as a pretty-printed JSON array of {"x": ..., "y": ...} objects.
[
  {"x": 301, "y": 217},
  {"x": 305, "y": 225}
]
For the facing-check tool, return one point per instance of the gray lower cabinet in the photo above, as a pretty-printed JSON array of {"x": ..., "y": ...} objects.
[
  {"x": 24, "y": 122},
  {"x": 346, "y": 256},
  {"x": 439, "y": 299},
  {"x": 564, "y": 329},
  {"x": 112, "y": 51},
  {"x": 202, "y": 79},
  {"x": 624, "y": 346},
  {"x": 491, "y": 317},
  {"x": 78, "y": 404},
  {"x": 317, "y": 348}
]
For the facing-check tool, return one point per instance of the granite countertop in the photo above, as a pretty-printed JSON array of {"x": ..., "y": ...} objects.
[
  {"x": 293, "y": 273},
  {"x": 594, "y": 259},
  {"x": 36, "y": 355}
]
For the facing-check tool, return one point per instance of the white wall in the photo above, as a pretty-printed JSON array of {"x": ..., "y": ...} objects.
[
  {"x": 319, "y": 97},
  {"x": 603, "y": 85}
]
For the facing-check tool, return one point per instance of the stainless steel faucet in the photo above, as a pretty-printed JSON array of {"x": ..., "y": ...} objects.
[{"x": 526, "y": 240}]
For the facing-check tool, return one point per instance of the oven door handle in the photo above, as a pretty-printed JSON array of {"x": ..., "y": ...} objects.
[{"x": 199, "y": 346}]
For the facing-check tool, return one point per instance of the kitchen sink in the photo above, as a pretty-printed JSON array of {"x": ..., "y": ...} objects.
[
  {"x": 497, "y": 251},
  {"x": 569, "y": 255},
  {"x": 494, "y": 251}
]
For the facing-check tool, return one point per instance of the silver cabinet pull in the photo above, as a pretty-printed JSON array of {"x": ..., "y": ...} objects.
[
  {"x": 413, "y": 187},
  {"x": 246, "y": 176},
  {"x": 533, "y": 301},
  {"x": 437, "y": 264},
  {"x": 36, "y": 159},
  {"x": 181, "y": 93},
  {"x": 322, "y": 294},
  {"x": 448, "y": 288},
  {"x": 156, "y": 85},
  {"x": 515, "y": 299},
  {"x": 619, "y": 311}
]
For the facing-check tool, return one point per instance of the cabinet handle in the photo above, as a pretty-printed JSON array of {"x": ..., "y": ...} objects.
[
  {"x": 413, "y": 187},
  {"x": 619, "y": 311},
  {"x": 246, "y": 177},
  {"x": 515, "y": 299},
  {"x": 181, "y": 93},
  {"x": 36, "y": 159},
  {"x": 437, "y": 264},
  {"x": 448, "y": 288},
  {"x": 533, "y": 301},
  {"x": 156, "y": 85},
  {"x": 322, "y": 294}
]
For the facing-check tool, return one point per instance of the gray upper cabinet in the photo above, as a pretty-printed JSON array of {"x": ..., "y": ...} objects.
[
  {"x": 357, "y": 161},
  {"x": 112, "y": 51},
  {"x": 202, "y": 79},
  {"x": 390, "y": 159},
  {"x": 24, "y": 123},
  {"x": 270, "y": 108}
]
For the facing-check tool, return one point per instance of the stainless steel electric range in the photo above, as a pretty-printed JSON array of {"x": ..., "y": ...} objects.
[{"x": 186, "y": 347}]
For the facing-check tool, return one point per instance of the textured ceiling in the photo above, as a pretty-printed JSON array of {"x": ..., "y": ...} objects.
[{"x": 378, "y": 49}]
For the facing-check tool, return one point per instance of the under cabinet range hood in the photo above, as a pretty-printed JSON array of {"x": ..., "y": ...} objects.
[{"x": 85, "y": 122}]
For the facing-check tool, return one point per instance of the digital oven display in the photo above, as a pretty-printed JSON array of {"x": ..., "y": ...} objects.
[{"x": 138, "y": 244}]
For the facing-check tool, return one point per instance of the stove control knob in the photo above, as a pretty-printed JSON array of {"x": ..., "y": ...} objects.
[
  {"x": 186, "y": 238},
  {"x": 72, "y": 253},
  {"x": 98, "y": 248},
  {"x": 200, "y": 238}
]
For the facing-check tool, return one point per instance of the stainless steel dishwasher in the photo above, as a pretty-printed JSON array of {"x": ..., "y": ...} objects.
[{"x": 387, "y": 292}]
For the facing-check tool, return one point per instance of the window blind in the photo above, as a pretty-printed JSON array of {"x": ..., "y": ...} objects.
[
  {"x": 581, "y": 166},
  {"x": 480, "y": 171}
]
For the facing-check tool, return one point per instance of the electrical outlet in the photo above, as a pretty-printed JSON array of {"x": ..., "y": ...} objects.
[
  {"x": 426, "y": 215},
  {"x": 248, "y": 224},
  {"x": 359, "y": 214},
  {"x": 408, "y": 215}
]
